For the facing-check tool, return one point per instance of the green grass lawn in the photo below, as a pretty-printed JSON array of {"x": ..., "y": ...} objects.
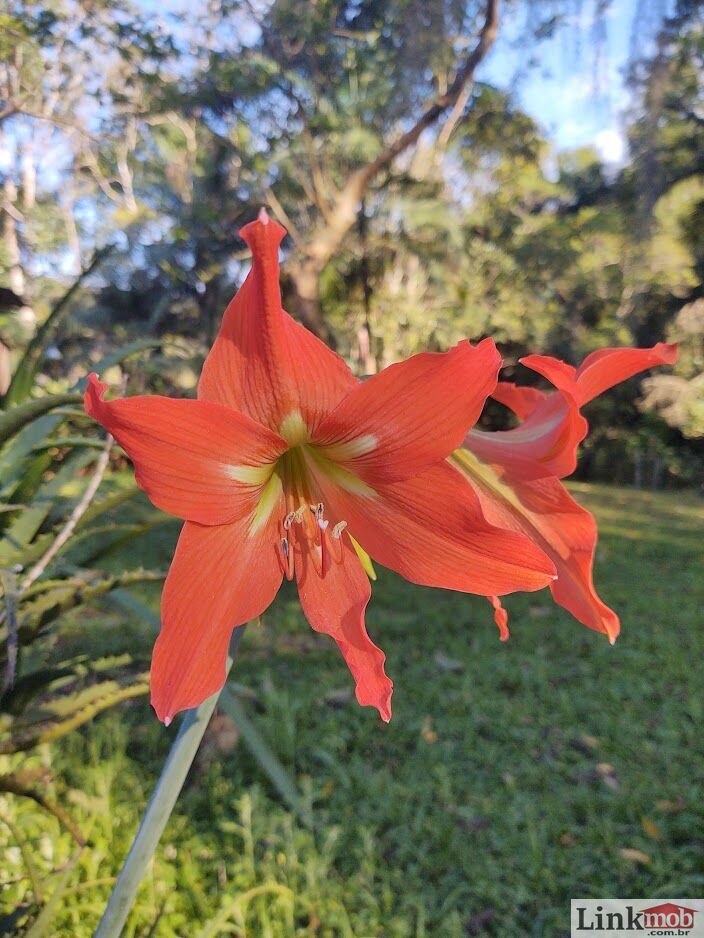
[{"x": 511, "y": 778}]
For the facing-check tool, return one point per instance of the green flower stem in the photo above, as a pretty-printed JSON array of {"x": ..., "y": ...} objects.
[{"x": 158, "y": 811}]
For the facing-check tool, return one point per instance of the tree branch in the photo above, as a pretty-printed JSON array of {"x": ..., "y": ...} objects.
[
  {"x": 9, "y": 588},
  {"x": 344, "y": 210},
  {"x": 463, "y": 78},
  {"x": 75, "y": 516}
]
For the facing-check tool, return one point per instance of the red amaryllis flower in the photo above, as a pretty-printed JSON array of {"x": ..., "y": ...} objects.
[
  {"x": 516, "y": 473},
  {"x": 286, "y": 465}
]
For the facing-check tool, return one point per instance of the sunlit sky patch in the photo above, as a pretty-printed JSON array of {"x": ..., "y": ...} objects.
[{"x": 576, "y": 88}]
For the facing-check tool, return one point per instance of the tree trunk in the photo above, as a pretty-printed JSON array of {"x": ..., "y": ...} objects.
[
  {"x": 16, "y": 278},
  {"x": 304, "y": 282},
  {"x": 342, "y": 214}
]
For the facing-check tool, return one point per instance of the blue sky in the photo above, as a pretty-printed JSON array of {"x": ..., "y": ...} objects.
[{"x": 578, "y": 94}]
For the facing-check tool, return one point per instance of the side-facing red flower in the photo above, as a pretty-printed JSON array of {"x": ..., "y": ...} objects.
[
  {"x": 515, "y": 473},
  {"x": 286, "y": 465}
]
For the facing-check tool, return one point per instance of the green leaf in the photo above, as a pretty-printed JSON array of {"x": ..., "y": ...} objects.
[
  {"x": 68, "y": 706},
  {"x": 23, "y": 378},
  {"x": 41, "y": 611},
  {"x": 55, "y": 497},
  {"x": 74, "y": 441},
  {"x": 120, "y": 354},
  {"x": 14, "y": 465},
  {"x": 107, "y": 504},
  {"x": 128, "y": 602},
  {"x": 90, "y": 545},
  {"x": 265, "y": 756},
  {"x": 15, "y": 418},
  {"x": 43, "y": 922}
]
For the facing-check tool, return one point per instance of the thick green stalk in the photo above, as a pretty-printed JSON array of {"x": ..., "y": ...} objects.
[{"x": 158, "y": 811}]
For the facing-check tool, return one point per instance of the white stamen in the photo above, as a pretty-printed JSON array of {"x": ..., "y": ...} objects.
[{"x": 263, "y": 216}]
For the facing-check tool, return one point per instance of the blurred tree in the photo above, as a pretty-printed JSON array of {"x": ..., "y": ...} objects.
[
  {"x": 68, "y": 136},
  {"x": 679, "y": 397},
  {"x": 422, "y": 205}
]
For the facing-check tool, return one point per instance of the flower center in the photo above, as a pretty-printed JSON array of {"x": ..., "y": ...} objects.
[
  {"x": 306, "y": 530},
  {"x": 296, "y": 479}
]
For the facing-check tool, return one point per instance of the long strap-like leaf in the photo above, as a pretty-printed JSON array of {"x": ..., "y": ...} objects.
[
  {"x": 23, "y": 377},
  {"x": 13, "y": 419}
]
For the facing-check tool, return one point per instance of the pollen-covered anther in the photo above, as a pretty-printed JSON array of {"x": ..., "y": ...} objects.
[{"x": 338, "y": 529}]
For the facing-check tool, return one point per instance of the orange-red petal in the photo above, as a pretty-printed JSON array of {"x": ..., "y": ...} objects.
[
  {"x": 263, "y": 363},
  {"x": 219, "y": 578},
  {"x": 544, "y": 511},
  {"x": 521, "y": 400},
  {"x": 432, "y": 531},
  {"x": 602, "y": 369},
  {"x": 334, "y": 603},
  {"x": 545, "y": 444},
  {"x": 413, "y": 414},
  {"x": 186, "y": 453}
]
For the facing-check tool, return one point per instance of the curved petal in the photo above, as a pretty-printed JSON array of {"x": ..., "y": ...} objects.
[
  {"x": 560, "y": 374},
  {"x": 521, "y": 400},
  {"x": 602, "y": 369},
  {"x": 543, "y": 510},
  {"x": 411, "y": 415},
  {"x": 334, "y": 603},
  {"x": 189, "y": 456},
  {"x": 432, "y": 531},
  {"x": 263, "y": 363},
  {"x": 545, "y": 444},
  {"x": 219, "y": 578}
]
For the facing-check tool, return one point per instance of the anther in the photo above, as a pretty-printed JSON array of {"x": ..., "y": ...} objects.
[
  {"x": 288, "y": 520},
  {"x": 286, "y": 558},
  {"x": 338, "y": 529}
]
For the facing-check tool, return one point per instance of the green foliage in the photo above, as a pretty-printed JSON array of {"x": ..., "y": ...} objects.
[
  {"x": 679, "y": 397},
  {"x": 54, "y": 538},
  {"x": 26, "y": 370},
  {"x": 510, "y": 779},
  {"x": 13, "y": 419}
]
